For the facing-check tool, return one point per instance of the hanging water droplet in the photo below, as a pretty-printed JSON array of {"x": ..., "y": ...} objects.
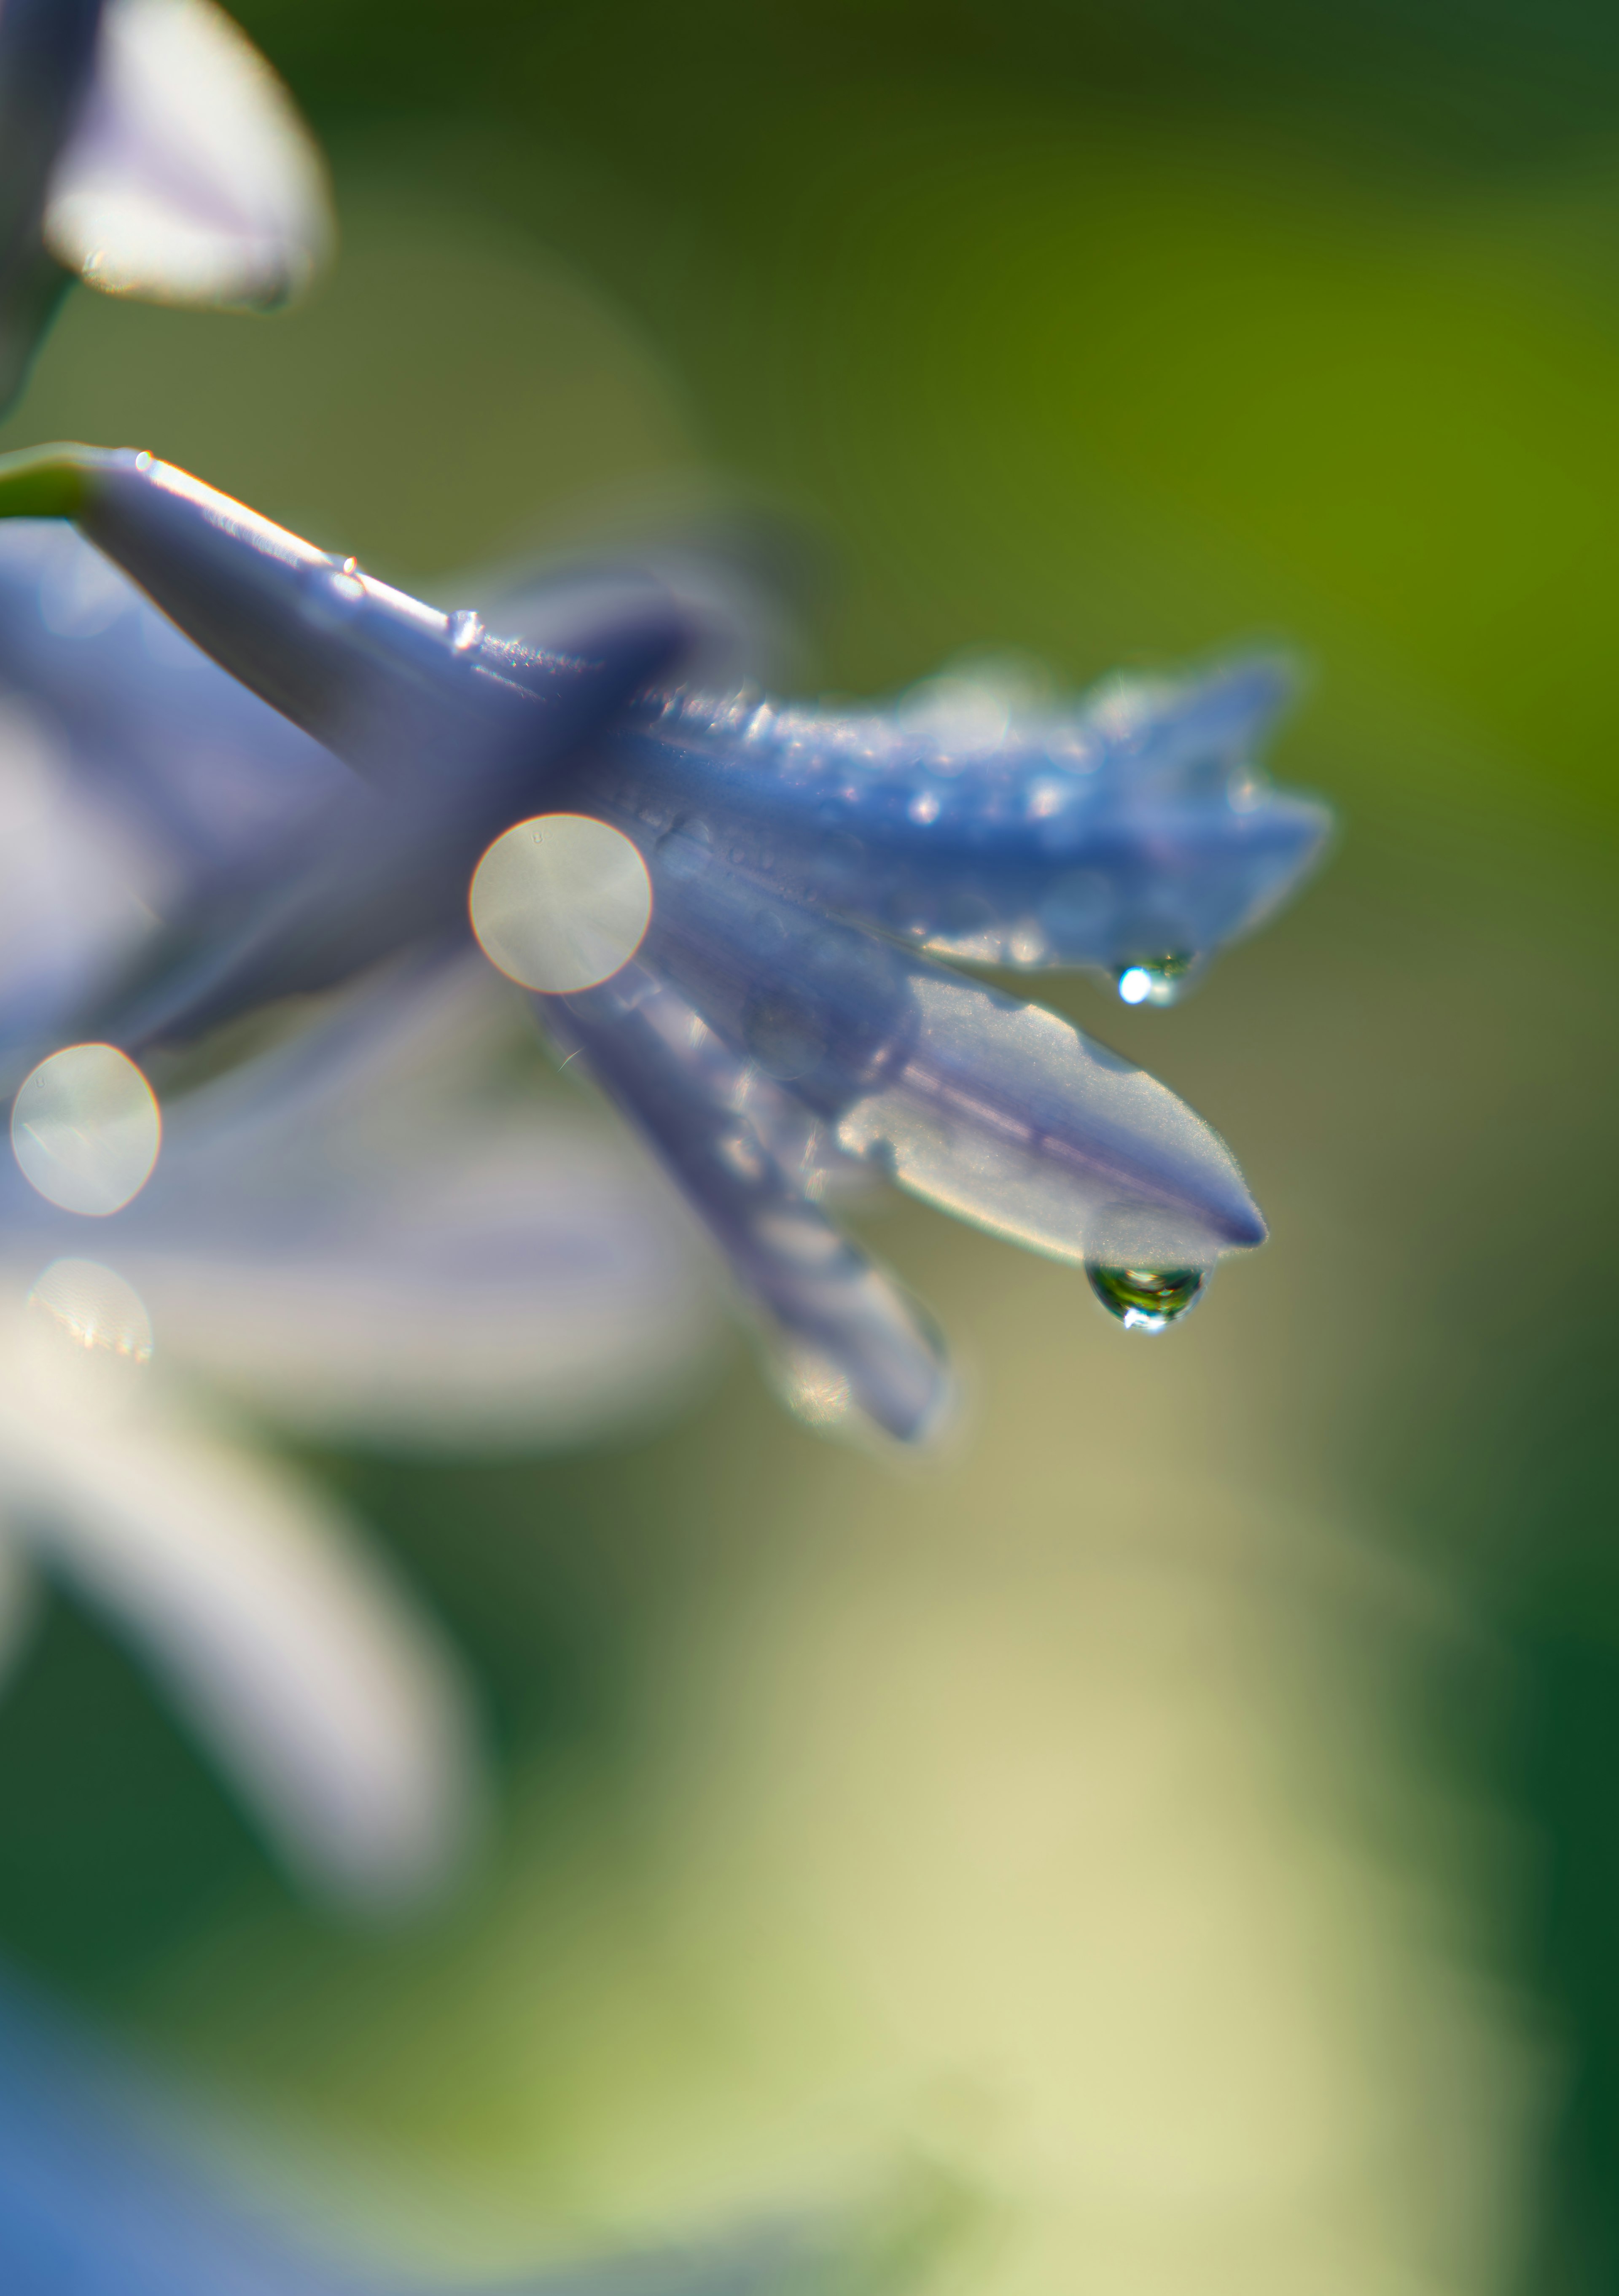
[
  {"x": 1153, "y": 981},
  {"x": 1147, "y": 1299},
  {"x": 86, "y": 1129},
  {"x": 560, "y": 902}
]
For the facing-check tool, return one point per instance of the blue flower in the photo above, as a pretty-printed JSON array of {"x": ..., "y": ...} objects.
[
  {"x": 734, "y": 911},
  {"x": 147, "y": 148},
  {"x": 349, "y": 1235}
]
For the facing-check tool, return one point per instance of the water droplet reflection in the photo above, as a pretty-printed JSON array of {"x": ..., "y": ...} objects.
[
  {"x": 561, "y": 902},
  {"x": 1155, "y": 980},
  {"x": 93, "y": 1307},
  {"x": 1147, "y": 1299},
  {"x": 86, "y": 1129}
]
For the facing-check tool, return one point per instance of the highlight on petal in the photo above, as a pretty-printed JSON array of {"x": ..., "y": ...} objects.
[
  {"x": 850, "y": 1350},
  {"x": 321, "y": 1688},
  {"x": 190, "y": 178},
  {"x": 86, "y": 1129},
  {"x": 559, "y": 903}
]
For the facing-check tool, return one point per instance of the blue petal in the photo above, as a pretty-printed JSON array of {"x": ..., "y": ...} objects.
[
  {"x": 997, "y": 1110},
  {"x": 750, "y": 1165},
  {"x": 1135, "y": 830}
]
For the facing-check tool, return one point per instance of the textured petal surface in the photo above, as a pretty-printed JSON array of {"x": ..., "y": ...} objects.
[
  {"x": 1135, "y": 828},
  {"x": 190, "y": 178}
]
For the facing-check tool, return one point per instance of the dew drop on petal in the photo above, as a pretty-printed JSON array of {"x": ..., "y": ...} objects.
[
  {"x": 93, "y": 1307},
  {"x": 1157, "y": 980},
  {"x": 561, "y": 902},
  {"x": 86, "y": 1129},
  {"x": 1147, "y": 1299}
]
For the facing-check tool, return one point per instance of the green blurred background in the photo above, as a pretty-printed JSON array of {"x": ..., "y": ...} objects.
[{"x": 1174, "y": 1845}]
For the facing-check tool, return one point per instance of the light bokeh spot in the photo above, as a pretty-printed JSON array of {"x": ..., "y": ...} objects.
[
  {"x": 94, "y": 1307},
  {"x": 559, "y": 903},
  {"x": 86, "y": 1129}
]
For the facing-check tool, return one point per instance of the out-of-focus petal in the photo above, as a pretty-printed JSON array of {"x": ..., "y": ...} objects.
[
  {"x": 351, "y": 1235},
  {"x": 533, "y": 1290},
  {"x": 323, "y": 1689},
  {"x": 848, "y": 1343},
  {"x": 190, "y": 178}
]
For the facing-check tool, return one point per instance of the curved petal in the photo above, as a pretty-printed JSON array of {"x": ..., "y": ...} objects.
[
  {"x": 321, "y": 1688},
  {"x": 848, "y": 1340},
  {"x": 190, "y": 178}
]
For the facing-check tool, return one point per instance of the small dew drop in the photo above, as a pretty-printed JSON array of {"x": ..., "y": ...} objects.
[
  {"x": 1157, "y": 980},
  {"x": 86, "y": 1129},
  {"x": 351, "y": 566},
  {"x": 1147, "y": 1299},
  {"x": 560, "y": 902}
]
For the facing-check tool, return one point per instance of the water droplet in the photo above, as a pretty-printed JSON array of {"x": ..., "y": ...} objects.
[
  {"x": 143, "y": 461},
  {"x": 351, "y": 566},
  {"x": 1153, "y": 981},
  {"x": 560, "y": 902},
  {"x": 86, "y": 1129},
  {"x": 1147, "y": 1299},
  {"x": 94, "y": 1308},
  {"x": 465, "y": 629}
]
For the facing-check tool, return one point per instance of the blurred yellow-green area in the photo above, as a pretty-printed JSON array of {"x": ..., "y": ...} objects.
[{"x": 1172, "y": 1847}]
